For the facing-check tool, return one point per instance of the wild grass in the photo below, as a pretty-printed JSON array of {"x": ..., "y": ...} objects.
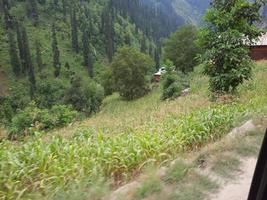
[
  {"x": 226, "y": 166},
  {"x": 177, "y": 172},
  {"x": 123, "y": 139},
  {"x": 148, "y": 187}
]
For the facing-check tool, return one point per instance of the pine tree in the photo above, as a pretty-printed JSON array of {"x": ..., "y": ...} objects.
[
  {"x": 21, "y": 49},
  {"x": 29, "y": 65},
  {"x": 128, "y": 39},
  {"x": 87, "y": 59},
  {"x": 143, "y": 44},
  {"x": 14, "y": 59},
  {"x": 157, "y": 58},
  {"x": 150, "y": 50},
  {"x": 55, "y": 51},
  {"x": 8, "y": 19},
  {"x": 67, "y": 66},
  {"x": 32, "y": 11},
  {"x": 64, "y": 10},
  {"x": 38, "y": 56},
  {"x": 108, "y": 29},
  {"x": 74, "y": 31}
]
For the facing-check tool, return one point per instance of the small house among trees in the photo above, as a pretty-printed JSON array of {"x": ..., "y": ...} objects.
[{"x": 258, "y": 50}]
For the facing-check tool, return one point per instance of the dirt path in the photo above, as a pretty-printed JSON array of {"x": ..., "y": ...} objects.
[{"x": 239, "y": 188}]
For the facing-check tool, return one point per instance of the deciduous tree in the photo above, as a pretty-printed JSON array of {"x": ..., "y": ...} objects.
[
  {"x": 181, "y": 48},
  {"x": 132, "y": 71},
  {"x": 226, "y": 39}
]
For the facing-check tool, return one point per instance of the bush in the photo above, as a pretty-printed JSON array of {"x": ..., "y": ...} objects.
[
  {"x": 49, "y": 92},
  {"x": 17, "y": 98},
  {"x": 32, "y": 118},
  {"x": 94, "y": 95},
  {"x": 62, "y": 115},
  {"x": 6, "y": 110},
  {"x": 84, "y": 97},
  {"x": 173, "y": 84},
  {"x": 18, "y": 95},
  {"x": 131, "y": 70}
]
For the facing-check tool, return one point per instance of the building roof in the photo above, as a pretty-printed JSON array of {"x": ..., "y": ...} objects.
[{"x": 262, "y": 41}]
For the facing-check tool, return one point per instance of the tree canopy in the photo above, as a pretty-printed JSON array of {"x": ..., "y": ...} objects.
[
  {"x": 131, "y": 70},
  {"x": 181, "y": 48}
]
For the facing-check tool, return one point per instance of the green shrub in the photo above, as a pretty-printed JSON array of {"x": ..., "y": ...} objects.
[
  {"x": 6, "y": 110},
  {"x": 32, "y": 118},
  {"x": 94, "y": 95},
  {"x": 83, "y": 96},
  {"x": 49, "y": 92},
  {"x": 173, "y": 84},
  {"x": 18, "y": 94},
  {"x": 62, "y": 115}
]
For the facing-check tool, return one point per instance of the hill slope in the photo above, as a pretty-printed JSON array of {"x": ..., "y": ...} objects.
[{"x": 121, "y": 140}]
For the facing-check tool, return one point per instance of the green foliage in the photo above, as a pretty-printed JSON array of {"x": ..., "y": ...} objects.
[
  {"x": 85, "y": 97},
  {"x": 225, "y": 41},
  {"x": 181, "y": 48},
  {"x": 173, "y": 84},
  {"x": 32, "y": 119},
  {"x": 131, "y": 70}
]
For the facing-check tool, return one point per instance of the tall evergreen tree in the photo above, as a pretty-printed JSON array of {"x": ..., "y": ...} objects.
[
  {"x": 157, "y": 58},
  {"x": 8, "y": 19},
  {"x": 108, "y": 25},
  {"x": 21, "y": 49},
  {"x": 14, "y": 59},
  {"x": 55, "y": 51},
  {"x": 32, "y": 11},
  {"x": 64, "y": 10},
  {"x": 143, "y": 44},
  {"x": 29, "y": 65},
  {"x": 150, "y": 50},
  {"x": 74, "y": 31},
  {"x": 39, "y": 60},
  {"x": 87, "y": 58}
]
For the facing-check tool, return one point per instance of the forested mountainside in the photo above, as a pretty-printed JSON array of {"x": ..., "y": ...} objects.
[
  {"x": 104, "y": 24},
  {"x": 58, "y": 52},
  {"x": 184, "y": 11}
]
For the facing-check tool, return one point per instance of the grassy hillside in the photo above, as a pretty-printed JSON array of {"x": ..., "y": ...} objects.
[{"x": 119, "y": 142}]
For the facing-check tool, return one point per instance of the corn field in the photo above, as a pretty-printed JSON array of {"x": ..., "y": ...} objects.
[{"x": 44, "y": 167}]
